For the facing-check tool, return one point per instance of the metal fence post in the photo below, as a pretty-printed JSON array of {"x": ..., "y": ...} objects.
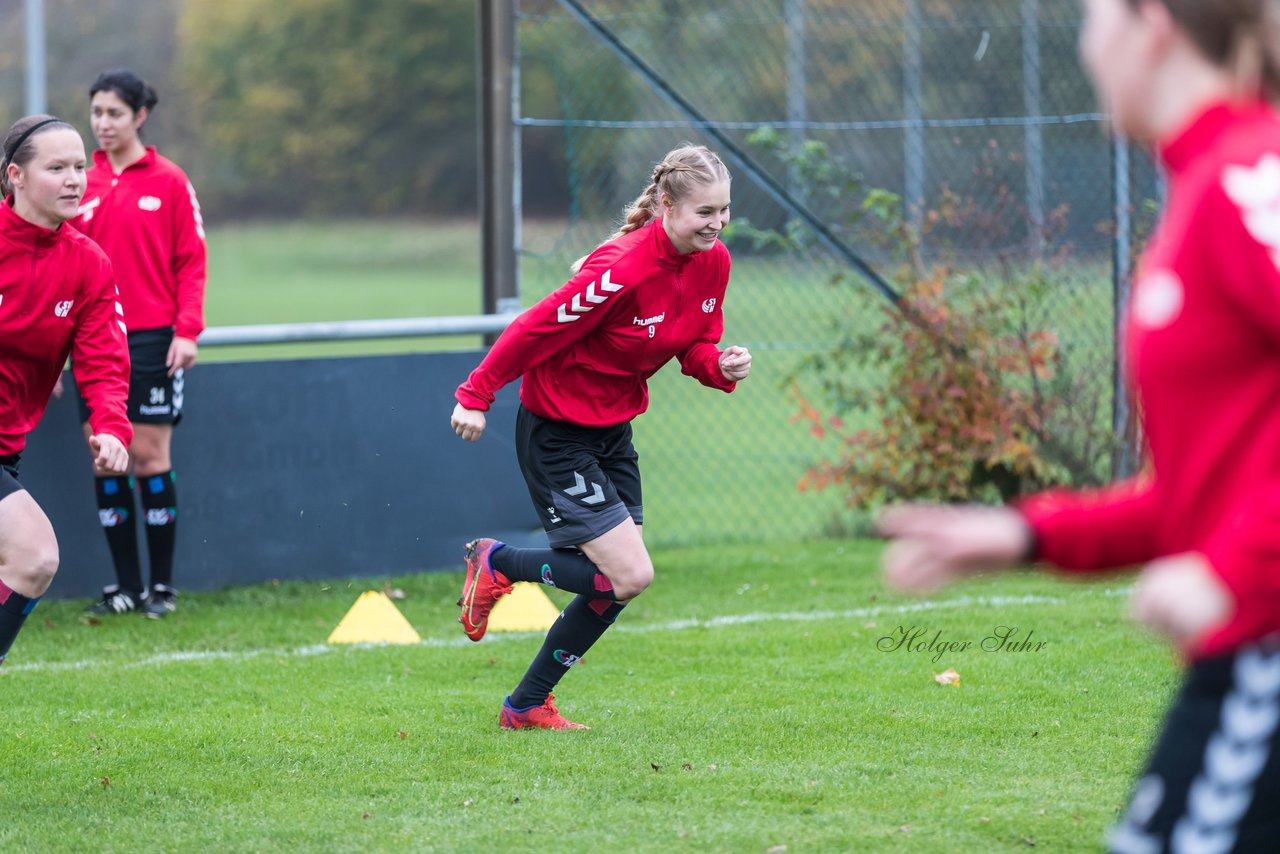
[
  {"x": 1124, "y": 462},
  {"x": 499, "y": 157},
  {"x": 36, "y": 99},
  {"x": 912, "y": 94},
  {"x": 1032, "y": 132},
  {"x": 797, "y": 100}
]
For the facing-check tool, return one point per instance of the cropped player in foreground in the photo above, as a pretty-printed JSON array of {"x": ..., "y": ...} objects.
[
  {"x": 1202, "y": 342},
  {"x": 654, "y": 291},
  {"x": 57, "y": 297},
  {"x": 141, "y": 209}
]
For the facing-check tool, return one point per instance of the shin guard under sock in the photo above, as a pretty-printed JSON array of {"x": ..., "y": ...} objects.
[
  {"x": 14, "y": 608},
  {"x": 116, "y": 509},
  {"x": 580, "y": 625},
  {"x": 160, "y": 501},
  {"x": 567, "y": 569}
]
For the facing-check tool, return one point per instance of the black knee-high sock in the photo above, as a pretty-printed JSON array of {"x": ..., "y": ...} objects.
[
  {"x": 14, "y": 608},
  {"x": 116, "y": 509},
  {"x": 567, "y": 569},
  {"x": 160, "y": 501},
  {"x": 580, "y": 625}
]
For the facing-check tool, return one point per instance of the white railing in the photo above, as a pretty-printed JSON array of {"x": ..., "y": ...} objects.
[{"x": 354, "y": 330}]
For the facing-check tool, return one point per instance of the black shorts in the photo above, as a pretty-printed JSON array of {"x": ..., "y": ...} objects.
[
  {"x": 154, "y": 396},
  {"x": 9, "y": 476},
  {"x": 584, "y": 481},
  {"x": 1213, "y": 780}
]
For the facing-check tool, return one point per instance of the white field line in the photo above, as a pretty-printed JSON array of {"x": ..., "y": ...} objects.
[{"x": 723, "y": 621}]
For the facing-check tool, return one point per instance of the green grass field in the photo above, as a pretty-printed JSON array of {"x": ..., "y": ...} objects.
[{"x": 740, "y": 705}]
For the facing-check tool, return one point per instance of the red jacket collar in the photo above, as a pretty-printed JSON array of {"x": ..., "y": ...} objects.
[
  {"x": 101, "y": 160},
  {"x": 1180, "y": 148},
  {"x": 664, "y": 250},
  {"x": 24, "y": 233}
]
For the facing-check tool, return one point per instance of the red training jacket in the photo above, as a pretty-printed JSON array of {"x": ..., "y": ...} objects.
[
  {"x": 587, "y": 350},
  {"x": 148, "y": 221},
  {"x": 57, "y": 297},
  {"x": 1202, "y": 338}
]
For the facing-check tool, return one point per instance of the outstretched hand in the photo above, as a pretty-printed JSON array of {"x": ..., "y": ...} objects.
[
  {"x": 935, "y": 545},
  {"x": 467, "y": 423}
]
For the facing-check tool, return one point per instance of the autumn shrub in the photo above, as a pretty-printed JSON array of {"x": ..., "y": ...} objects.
[{"x": 960, "y": 390}]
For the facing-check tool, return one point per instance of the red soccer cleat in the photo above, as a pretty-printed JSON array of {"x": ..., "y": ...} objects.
[
  {"x": 546, "y": 716},
  {"x": 482, "y": 589}
]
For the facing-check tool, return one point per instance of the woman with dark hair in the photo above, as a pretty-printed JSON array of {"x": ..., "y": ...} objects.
[
  {"x": 57, "y": 298},
  {"x": 654, "y": 291},
  {"x": 141, "y": 209},
  {"x": 1196, "y": 79}
]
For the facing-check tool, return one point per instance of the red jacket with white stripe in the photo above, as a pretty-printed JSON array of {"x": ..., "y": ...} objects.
[
  {"x": 587, "y": 350},
  {"x": 1202, "y": 343},
  {"x": 147, "y": 219},
  {"x": 57, "y": 297}
]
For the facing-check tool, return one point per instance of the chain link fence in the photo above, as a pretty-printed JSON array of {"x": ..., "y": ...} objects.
[{"x": 915, "y": 136}]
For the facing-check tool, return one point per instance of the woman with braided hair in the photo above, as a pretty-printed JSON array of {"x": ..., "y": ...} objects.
[{"x": 652, "y": 292}]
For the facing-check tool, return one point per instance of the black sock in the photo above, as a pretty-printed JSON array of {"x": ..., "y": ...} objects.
[
  {"x": 14, "y": 608},
  {"x": 580, "y": 625},
  {"x": 567, "y": 569},
  {"x": 160, "y": 500},
  {"x": 115, "y": 511}
]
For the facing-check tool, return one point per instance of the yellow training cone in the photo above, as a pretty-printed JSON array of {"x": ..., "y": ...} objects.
[
  {"x": 374, "y": 619},
  {"x": 525, "y": 609}
]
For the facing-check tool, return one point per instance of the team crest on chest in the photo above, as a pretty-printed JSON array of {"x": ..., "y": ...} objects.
[
  {"x": 709, "y": 305},
  {"x": 63, "y": 308}
]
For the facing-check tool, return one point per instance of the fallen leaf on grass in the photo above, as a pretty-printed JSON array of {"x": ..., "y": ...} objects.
[
  {"x": 687, "y": 766},
  {"x": 403, "y": 735},
  {"x": 468, "y": 802},
  {"x": 91, "y": 621},
  {"x": 655, "y": 766},
  {"x": 366, "y": 814},
  {"x": 393, "y": 592},
  {"x": 106, "y": 782},
  {"x": 49, "y": 624},
  {"x": 947, "y": 677}
]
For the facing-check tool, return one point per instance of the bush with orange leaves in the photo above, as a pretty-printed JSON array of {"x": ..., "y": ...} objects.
[{"x": 962, "y": 391}]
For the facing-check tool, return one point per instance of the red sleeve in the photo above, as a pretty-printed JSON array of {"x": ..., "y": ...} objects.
[
  {"x": 555, "y": 322},
  {"x": 100, "y": 356},
  {"x": 188, "y": 260},
  {"x": 701, "y": 359},
  {"x": 1098, "y": 529}
]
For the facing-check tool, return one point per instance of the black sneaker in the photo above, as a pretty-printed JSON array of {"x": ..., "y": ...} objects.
[
  {"x": 160, "y": 601},
  {"x": 114, "y": 601}
]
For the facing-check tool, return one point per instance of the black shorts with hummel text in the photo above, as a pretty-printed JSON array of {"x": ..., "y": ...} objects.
[
  {"x": 1212, "y": 782},
  {"x": 584, "y": 481},
  {"x": 154, "y": 396}
]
